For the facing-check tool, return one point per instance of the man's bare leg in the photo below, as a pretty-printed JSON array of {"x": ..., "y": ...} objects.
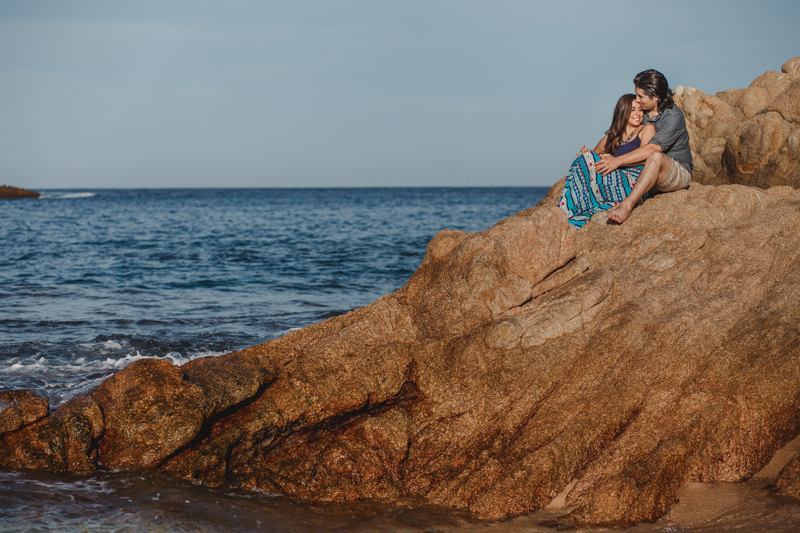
[{"x": 655, "y": 169}]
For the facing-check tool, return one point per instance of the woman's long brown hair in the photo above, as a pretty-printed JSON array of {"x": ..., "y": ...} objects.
[{"x": 622, "y": 113}]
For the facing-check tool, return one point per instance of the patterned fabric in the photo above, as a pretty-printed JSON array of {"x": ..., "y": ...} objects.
[{"x": 586, "y": 191}]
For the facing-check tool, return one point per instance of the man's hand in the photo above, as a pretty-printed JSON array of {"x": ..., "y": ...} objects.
[{"x": 606, "y": 165}]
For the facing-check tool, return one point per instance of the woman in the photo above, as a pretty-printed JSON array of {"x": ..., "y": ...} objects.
[{"x": 585, "y": 191}]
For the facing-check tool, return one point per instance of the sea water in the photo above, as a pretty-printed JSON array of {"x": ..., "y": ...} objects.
[{"x": 93, "y": 280}]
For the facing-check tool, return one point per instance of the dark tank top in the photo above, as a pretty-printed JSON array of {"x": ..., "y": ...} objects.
[{"x": 630, "y": 147}]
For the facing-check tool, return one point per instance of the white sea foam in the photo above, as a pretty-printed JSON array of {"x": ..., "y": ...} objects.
[
  {"x": 61, "y": 381},
  {"x": 110, "y": 363},
  {"x": 89, "y": 485},
  {"x": 67, "y": 195},
  {"x": 39, "y": 363}
]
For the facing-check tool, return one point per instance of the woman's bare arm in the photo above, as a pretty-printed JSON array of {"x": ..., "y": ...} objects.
[
  {"x": 647, "y": 133},
  {"x": 601, "y": 146}
]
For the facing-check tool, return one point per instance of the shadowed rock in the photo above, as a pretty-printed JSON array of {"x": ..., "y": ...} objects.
[
  {"x": 788, "y": 482},
  {"x": 622, "y": 361}
]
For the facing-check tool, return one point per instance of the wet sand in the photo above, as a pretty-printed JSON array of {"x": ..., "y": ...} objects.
[{"x": 702, "y": 508}]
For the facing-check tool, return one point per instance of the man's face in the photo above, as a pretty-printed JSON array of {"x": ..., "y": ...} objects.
[{"x": 648, "y": 103}]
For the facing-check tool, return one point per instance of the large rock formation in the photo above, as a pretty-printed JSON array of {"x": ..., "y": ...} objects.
[
  {"x": 617, "y": 362},
  {"x": 747, "y": 136}
]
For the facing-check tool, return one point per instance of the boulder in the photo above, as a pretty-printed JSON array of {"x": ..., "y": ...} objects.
[
  {"x": 620, "y": 360},
  {"x": 65, "y": 441},
  {"x": 774, "y": 82},
  {"x": 746, "y": 136},
  {"x": 764, "y": 151},
  {"x": 608, "y": 365},
  {"x": 20, "y": 408},
  {"x": 150, "y": 411}
]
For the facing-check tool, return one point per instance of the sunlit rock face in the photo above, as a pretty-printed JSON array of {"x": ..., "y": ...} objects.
[
  {"x": 619, "y": 361},
  {"x": 747, "y": 136}
]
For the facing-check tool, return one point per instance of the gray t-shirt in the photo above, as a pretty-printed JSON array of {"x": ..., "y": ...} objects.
[{"x": 671, "y": 136}]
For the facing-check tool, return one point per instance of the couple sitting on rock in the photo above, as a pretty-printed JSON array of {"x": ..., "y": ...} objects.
[{"x": 646, "y": 147}]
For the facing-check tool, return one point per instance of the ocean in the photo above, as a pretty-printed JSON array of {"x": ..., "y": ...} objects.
[{"x": 92, "y": 280}]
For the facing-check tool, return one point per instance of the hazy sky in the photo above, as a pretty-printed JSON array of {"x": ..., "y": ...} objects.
[{"x": 335, "y": 93}]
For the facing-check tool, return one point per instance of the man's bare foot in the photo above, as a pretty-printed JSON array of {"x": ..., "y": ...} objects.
[{"x": 620, "y": 212}]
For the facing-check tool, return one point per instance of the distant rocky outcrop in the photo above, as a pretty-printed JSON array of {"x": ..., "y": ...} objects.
[
  {"x": 10, "y": 193},
  {"x": 610, "y": 364},
  {"x": 747, "y": 136}
]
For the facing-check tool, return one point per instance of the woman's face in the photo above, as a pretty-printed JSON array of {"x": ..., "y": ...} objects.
[{"x": 636, "y": 114}]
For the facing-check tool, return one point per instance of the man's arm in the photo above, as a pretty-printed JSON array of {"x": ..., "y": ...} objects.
[{"x": 609, "y": 163}]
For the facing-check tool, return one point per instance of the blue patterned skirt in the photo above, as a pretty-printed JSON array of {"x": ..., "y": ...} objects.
[{"x": 586, "y": 191}]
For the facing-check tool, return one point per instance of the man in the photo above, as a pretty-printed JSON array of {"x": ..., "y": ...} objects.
[{"x": 667, "y": 158}]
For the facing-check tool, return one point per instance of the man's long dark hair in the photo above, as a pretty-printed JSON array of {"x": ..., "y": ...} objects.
[
  {"x": 653, "y": 83},
  {"x": 620, "y": 121}
]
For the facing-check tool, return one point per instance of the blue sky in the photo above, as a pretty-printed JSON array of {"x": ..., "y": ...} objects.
[{"x": 328, "y": 93}]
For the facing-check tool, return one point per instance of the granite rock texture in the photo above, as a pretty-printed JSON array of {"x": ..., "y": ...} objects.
[
  {"x": 64, "y": 441},
  {"x": 747, "y": 136},
  {"x": 20, "y": 408},
  {"x": 614, "y": 362},
  {"x": 788, "y": 482}
]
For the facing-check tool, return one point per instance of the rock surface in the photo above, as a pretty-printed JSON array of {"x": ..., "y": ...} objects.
[
  {"x": 62, "y": 442},
  {"x": 10, "y": 193},
  {"x": 788, "y": 482},
  {"x": 20, "y": 408},
  {"x": 617, "y": 361},
  {"x": 747, "y": 136}
]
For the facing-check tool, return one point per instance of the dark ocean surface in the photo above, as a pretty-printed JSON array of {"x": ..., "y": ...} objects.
[{"x": 91, "y": 281}]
